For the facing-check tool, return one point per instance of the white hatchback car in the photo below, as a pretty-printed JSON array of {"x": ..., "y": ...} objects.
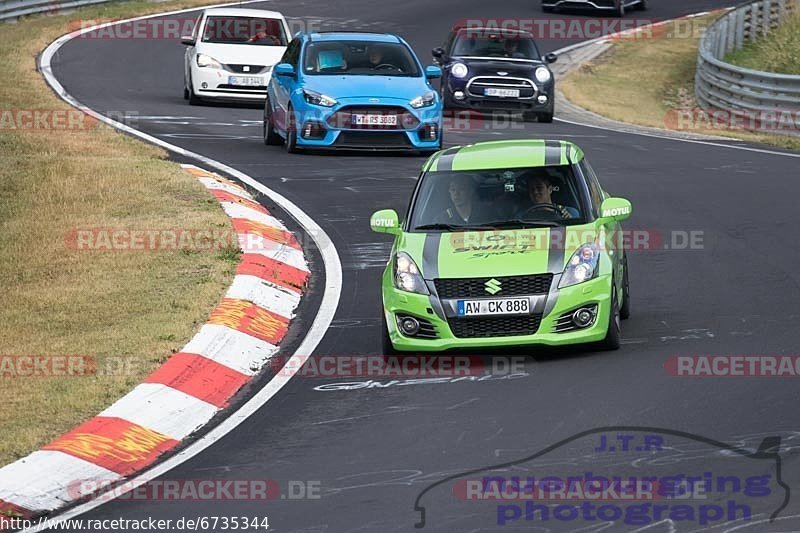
[{"x": 231, "y": 52}]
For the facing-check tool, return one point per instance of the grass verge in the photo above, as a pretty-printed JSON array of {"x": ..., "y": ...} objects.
[
  {"x": 135, "y": 307},
  {"x": 650, "y": 82},
  {"x": 779, "y": 51}
]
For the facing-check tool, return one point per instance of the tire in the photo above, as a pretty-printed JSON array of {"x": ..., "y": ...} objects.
[
  {"x": 547, "y": 9},
  {"x": 642, "y": 5},
  {"x": 185, "y": 91},
  {"x": 620, "y": 8},
  {"x": 613, "y": 335},
  {"x": 545, "y": 118},
  {"x": 386, "y": 343},
  {"x": 625, "y": 310},
  {"x": 193, "y": 99},
  {"x": 530, "y": 116},
  {"x": 291, "y": 133},
  {"x": 271, "y": 137}
]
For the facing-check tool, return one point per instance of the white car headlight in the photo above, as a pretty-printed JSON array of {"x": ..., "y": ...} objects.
[
  {"x": 313, "y": 97},
  {"x": 582, "y": 266},
  {"x": 459, "y": 70},
  {"x": 407, "y": 276},
  {"x": 543, "y": 74},
  {"x": 427, "y": 99},
  {"x": 208, "y": 61}
]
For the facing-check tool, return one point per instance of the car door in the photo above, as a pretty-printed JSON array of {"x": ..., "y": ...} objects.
[{"x": 283, "y": 86}]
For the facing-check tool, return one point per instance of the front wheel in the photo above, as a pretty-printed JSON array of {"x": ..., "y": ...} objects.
[
  {"x": 291, "y": 132},
  {"x": 271, "y": 138},
  {"x": 625, "y": 310},
  {"x": 189, "y": 94},
  {"x": 386, "y": 343},
  {"x": 620, "y": 8},
  {"x": 614, "y": 334}
]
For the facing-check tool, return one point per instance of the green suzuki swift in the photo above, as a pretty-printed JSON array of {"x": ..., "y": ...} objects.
[{"x": 506, "y": 243}]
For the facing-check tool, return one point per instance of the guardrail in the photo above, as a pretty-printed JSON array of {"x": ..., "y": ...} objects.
[
  {"x": 12, "y": 9},
  {"x": 737, "y": 90}
]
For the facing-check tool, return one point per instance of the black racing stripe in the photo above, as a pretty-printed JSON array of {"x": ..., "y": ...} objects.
[
  {"x": 555, "y": 261},
  {"x": 430, "y": 256},
  {"x": 552, "y": 153},
  {"x": 445, "y": 162}
]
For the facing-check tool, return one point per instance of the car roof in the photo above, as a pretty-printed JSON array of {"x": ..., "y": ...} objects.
[
  {"x": 354, "y": 36},
  {"x": 519, "y": 153},
  {"x": 243, "y": 12}
]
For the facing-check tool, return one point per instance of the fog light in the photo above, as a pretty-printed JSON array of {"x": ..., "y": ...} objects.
[
  {"x": 458, "y": 95},
  {"x": 409, "y": 325},
  {"x": 582, "y": 318},
  {"x": 204, "y": 85},
  {"x": 429, "y": 132},
  {"x": 542, "y": 99},
  {"x": 313, "y": 130}
]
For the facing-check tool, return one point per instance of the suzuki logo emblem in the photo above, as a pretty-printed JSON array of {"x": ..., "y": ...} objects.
[{"x": 493, "y": 286}]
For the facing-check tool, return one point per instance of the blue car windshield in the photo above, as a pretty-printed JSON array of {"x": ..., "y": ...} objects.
[{"x": 360, "y": 58}]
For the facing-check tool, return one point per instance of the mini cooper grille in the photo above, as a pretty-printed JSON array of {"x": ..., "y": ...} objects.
[
  {"x": 494, "y": 326},
  {"x": 478, "y": 86},
  {"x": 509, "y": 286}
]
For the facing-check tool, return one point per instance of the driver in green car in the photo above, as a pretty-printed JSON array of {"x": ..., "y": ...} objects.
[{"x": 540, "y": 192}]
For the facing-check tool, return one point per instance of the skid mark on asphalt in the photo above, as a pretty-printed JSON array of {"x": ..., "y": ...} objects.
[{"x": 367, "y": 255}]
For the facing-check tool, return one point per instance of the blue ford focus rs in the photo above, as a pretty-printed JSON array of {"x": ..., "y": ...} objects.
[{"x": 356, "y": 91}]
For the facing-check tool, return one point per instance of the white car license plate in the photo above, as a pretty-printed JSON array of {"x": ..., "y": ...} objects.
[
  {"x": 503, "y": 93},
  {"x": 375, "y": 120},
  {"x": 247, "y": 81},
  {"x": 499, "y": 306}
]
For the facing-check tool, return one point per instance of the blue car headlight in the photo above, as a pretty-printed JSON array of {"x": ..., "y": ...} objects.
[
  {"x": 315, "y": 98},
  {"x": 425, "y": 100},
  {"x": 582, "y": 266}
]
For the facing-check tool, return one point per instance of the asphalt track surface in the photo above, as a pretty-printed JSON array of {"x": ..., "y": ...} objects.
[{"x": 373, "y": 450}]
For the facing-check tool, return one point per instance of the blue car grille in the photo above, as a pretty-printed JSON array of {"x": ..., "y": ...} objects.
[{"x": 343, "y": 118}]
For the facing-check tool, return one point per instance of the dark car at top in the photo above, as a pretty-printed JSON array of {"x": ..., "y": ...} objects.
[
  {"x": 615, "y": 7},
  {"x": 490, "y": 70}
]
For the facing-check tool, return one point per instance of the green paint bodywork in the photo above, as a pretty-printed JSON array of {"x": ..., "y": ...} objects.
[{"x": 505, "y": 253}]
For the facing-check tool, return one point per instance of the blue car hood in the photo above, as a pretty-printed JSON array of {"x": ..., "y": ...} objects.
[{"x": 367, "y": 86}]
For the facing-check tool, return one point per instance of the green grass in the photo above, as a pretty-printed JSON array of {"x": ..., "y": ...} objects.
[
  {"x": 778, "y": 51},
  {"x": 136, "y": 307}
]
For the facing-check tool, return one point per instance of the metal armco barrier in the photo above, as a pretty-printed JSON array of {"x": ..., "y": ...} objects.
[
  {"x": 737, "y": 90},
  {"x": 12, "y": 9}
]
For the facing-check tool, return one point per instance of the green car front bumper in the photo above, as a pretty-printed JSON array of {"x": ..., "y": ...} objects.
[{"x": 555, "y": 304}]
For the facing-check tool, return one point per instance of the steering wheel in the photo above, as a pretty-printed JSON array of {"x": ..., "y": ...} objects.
[
  {"x": 541, "y": 207},
  {"x": 386, "y": 66}
]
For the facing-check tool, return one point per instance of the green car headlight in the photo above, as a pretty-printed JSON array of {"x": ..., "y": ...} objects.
[
  {"x": 582, "y": 266},
  {"x": 407, "y": 276}
]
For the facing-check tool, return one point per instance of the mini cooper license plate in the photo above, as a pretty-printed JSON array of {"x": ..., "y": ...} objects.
[
  {"x": 499, "y": 306},
  {"x": 246, "y": 81},
  {"x": 503, "y": 93},
  {"x": 374, "y": 120}
]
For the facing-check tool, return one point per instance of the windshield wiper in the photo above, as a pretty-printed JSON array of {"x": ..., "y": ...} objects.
[
  {"x": 520, "y": 222},
  {"x": 448, "y": 227}
]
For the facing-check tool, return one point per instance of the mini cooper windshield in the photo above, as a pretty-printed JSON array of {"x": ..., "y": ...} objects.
[
  {"x": 364, "y": 58},
  {"x": 505, "y": 45},
  {"x": 244, "y": 30},
  {"x": 506, "y": 198}
]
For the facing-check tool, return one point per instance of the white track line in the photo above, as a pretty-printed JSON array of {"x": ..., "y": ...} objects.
[{"x": 330, "y": 257}]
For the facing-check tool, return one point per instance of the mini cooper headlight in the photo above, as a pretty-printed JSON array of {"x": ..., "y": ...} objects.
[
  {"x": 427, "y": 99},
  {"x": 582, "y": 266},
  {"x": 407, "y": 276},
  {"x": 459, "y": 70},
  {"x": 313, "y": 97},
  {"x": 207, "y": 61},
  {"x": 543, "y": 74}
]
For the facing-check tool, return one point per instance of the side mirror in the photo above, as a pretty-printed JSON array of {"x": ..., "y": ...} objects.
[
  {"x": 432, "y": 72},
  {"x": 615, "y": 209},
  {"x": 550, "y": 58},
  {"x": 188, "y": 40},
  {"x": 284, "y": 69},
  {"x": 385, "y": 221}
]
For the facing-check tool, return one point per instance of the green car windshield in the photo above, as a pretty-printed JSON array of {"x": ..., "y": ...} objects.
[{"x": 502, "y": 198}]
